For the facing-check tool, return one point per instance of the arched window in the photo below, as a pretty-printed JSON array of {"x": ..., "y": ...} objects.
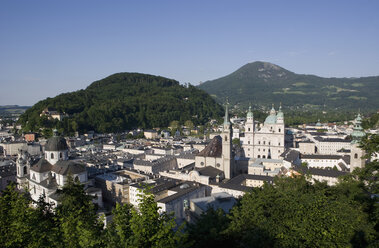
[
  {"x": 259, "y": 156},
  {"x": 52, "y": 155},
  {"x": 264, "y": 156},
  {"x": 259, "y": 142},
  {"x": 279, "y": 130},
  {"x": 60, "y": 155},
  {"x": 264, "y": 142},
  {"x": 25, "y": 170},
  {"x": 248, "y": 142},
  {"x": 248, "y": 129},
  {"x": 226, "y": 138},
  {"x": 356, "y": 155}
]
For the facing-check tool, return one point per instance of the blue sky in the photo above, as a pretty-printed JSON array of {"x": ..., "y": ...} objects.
[{"x": 50, "y": 47}]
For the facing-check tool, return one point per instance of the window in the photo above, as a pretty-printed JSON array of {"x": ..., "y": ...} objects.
[
  {"x": 218, "y": 164},
  {"x": 259, "y": 149},
  {"x": 269, "y": 143},
  {"x": 248, "y": 149},
  {"x": 264, "y": 142},
  {"x": 248, "y": 142},
  {"x": 264, "y": 156},
  {"x": 60, "y": 155},
  {"x": 52, "y": 155},
  {"x": 18, "y": 170},
  {"x": 202, "y": 163},
  {"x": 25, "y": 170},
  {"x": 226, "y": 138},
  {"x": 259, "y": 142},
  {"x": 259, "y": 156},
  {"x": 248, "y": 129},
  {"x": 279, "y": 144},
  {"x": 264, "y": 150},
  {"x": 279, "y": 130},
  {"x": 356, "y": 155}
]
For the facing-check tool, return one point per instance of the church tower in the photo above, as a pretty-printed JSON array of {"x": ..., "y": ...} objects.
[
  {"x": 356, "y": 160},
  {"x": 249, "y": 134},
  {"x": 23, "y": 167},
  {"x": 227, "y": 156}
]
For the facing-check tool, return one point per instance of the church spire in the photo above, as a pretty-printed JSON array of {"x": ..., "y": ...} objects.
[
  {"x": 250, "y": 113},
  {"x": 358, "y": 132},
  {"x": 226, "y": 117}
]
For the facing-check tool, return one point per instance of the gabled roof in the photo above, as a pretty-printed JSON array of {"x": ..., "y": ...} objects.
[
  {"x": 42, "y": 166},
  {"x": 213, "y": 149},
  {"x": 65, "y": 167}
]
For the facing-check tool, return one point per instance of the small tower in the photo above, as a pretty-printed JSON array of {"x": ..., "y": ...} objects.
[
  {"x": 23, "y": 168},
  {"x": 356, "y": 160},
  {"x": 249, "y": 135},
  {"x": 280, "y": 115},
  {"x": 56, "y": 149},
  {"x": 227, "y": 156}
]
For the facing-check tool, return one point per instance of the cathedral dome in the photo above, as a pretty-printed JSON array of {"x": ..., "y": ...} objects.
[
  {"x": 271, "y": 119},
  {"x": 56, "y": 144}
]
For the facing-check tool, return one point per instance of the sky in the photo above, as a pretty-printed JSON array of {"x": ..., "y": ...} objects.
[{"x": 51, "y": 47}]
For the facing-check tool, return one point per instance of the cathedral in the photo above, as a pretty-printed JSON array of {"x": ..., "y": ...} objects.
[
  {"x": 265, "y": 140},
  {"x": 44, "y": 177}
]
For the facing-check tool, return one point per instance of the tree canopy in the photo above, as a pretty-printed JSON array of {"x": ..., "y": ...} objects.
[{"x": 124, "y": 101}]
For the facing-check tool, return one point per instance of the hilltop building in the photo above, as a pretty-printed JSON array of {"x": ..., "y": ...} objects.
[{"x": 267, "y": 140}]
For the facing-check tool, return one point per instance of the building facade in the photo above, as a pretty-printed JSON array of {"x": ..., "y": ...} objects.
[{"x": 267, "y": 140}]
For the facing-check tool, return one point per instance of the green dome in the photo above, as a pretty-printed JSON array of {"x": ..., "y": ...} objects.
[
  {"x": 249, "y": 113},
  {"x": 358, "y": 132},
  {"x": 271, "y": 119}
]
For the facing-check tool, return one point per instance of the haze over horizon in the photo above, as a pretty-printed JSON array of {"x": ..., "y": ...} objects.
[{"x": 51, "y": 47}]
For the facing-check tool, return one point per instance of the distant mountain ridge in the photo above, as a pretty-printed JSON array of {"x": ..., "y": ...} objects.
[{"x": 263, "y": 83}]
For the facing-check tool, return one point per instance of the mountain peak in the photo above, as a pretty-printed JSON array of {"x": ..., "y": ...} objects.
[{"x": 268, "y": 83}]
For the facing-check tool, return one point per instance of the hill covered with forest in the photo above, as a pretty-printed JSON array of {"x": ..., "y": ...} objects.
[
  {"x": 124, "y": 101},
  {"x": 262, "y": 84}
]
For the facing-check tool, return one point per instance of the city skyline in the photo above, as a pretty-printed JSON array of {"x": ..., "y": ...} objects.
[{"x": 50, "y": 48}]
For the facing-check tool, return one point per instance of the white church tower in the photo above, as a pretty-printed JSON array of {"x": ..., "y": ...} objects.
[
  {"x": 356, "y": 160},
  {"x": 249, "y": 134},
  {"x": 23, "y": 168},
  {"x": 227, "y": 156}
]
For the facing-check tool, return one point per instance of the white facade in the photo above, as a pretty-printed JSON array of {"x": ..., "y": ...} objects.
[{"x": 266, "y": 140}]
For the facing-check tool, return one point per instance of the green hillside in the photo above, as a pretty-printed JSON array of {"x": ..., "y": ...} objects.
[
  {"x": 264, "y": 83},
  {"x": 124, "y": 101}
]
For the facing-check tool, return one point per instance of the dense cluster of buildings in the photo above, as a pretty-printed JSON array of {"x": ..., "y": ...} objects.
[{"x": 186, "y": 174}]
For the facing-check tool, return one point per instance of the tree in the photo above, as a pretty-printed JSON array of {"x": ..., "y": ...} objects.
[
  {"x": 209, "y": 230},
  {"x": 295, "y": 213},
  {"x": 118, "y": 231},
  {"x": 76, "y": 216},
  {"x": 153, "y": 229}
]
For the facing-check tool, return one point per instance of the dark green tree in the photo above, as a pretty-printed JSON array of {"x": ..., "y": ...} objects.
[{"x": 77, "y": 218}]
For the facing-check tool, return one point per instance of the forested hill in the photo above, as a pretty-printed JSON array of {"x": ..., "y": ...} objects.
[
  {"x": 124, "y": 101},
  {"x": 264, "y": 83}
]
